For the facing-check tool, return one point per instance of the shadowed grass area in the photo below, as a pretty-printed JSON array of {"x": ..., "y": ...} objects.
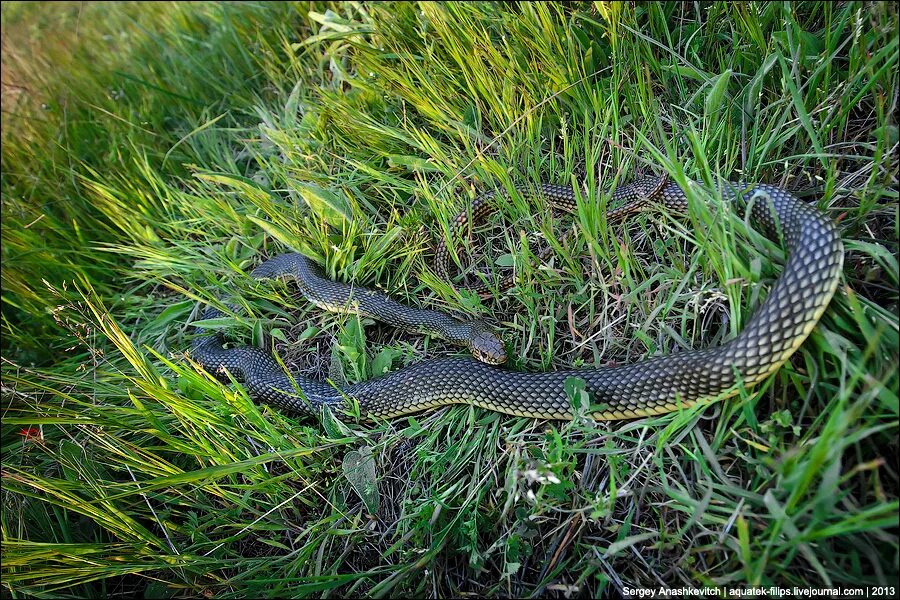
[{"x": 154, "y": 153}]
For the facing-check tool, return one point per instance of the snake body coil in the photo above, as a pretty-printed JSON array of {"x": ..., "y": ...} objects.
[{"x": 655, "y": 386}]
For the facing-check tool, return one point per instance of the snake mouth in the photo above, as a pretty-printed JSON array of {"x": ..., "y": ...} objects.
[{"x": 496, "y": 357}]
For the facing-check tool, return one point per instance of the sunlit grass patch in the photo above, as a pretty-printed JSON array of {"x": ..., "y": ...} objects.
[{"x": 158, "y": 152}]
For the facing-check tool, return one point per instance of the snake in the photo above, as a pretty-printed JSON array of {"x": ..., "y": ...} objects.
[{"x": 653, "y": 386}]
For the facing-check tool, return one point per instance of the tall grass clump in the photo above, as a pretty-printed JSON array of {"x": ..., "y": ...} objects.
[{"x": 154, "y": 153}]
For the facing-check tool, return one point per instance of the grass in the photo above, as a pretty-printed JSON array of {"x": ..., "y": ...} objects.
[{"x": 153, "y": 153}]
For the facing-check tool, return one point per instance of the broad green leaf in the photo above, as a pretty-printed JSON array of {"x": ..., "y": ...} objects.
[
  {"x": 383, "y": 361},
  {"x": 330, "y": 207},
  {"x": 578, "y": 396},
  {"x": 241, "y": 184},
  {"x": 505, "y": 260},
  {"x": 359, "y": 469},
  {"x": 716, "y": 94},
  {"x": 274, "y": 230}
]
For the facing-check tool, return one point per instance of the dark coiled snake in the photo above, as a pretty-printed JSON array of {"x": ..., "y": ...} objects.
[{"x": 650, "y": 387}]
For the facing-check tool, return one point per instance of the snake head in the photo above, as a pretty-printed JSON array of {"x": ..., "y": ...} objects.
[{"x": 485, "y": 345}]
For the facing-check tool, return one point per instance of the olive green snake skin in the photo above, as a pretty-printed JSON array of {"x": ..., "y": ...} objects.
[{"x": 650, "y": 387}]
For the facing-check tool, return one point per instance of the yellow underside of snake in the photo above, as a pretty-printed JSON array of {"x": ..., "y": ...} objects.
[{"x": 658, "y": 385}]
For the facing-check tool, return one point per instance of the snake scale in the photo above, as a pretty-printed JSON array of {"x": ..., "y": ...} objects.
[{"x": 654, "y": 386}]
